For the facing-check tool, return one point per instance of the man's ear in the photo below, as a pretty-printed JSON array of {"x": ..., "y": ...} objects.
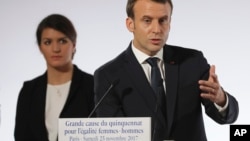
[{"x": 130, "y": 24}]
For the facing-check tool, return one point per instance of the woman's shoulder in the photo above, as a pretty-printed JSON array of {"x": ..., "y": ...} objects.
[
  {"x": 38, "y": 79},
  {"x": 81, "y": 73}
]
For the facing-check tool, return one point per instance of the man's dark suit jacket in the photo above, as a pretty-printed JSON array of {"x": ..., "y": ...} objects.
[
  {"x": 30, "y": 114},
  {"x": 133, "y": 96}
]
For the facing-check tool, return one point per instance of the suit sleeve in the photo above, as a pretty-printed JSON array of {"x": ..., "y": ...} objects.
[
  {"x": 232, "y": 111},
  {"x": 210, "y": 109}
]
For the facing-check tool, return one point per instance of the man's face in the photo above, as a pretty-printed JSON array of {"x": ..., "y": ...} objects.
[{"x": 150, "y": 26}]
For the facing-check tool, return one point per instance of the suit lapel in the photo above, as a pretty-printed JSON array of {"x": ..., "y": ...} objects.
[
  {"x": 139, "y": 80},
  {"x": 171, "y": 78}
]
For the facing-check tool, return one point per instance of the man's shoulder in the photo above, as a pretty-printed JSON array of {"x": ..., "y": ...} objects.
[
  {"x": 182, "y": 52},
  {"x": 181, "y": 49},
  {"x": 114, "y": 63}
]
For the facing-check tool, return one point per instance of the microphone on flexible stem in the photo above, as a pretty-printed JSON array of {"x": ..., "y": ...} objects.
[{"x": 105, "y": 94}]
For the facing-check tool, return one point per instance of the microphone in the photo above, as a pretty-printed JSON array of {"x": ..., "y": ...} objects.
[{"x": 105, "y": 94}]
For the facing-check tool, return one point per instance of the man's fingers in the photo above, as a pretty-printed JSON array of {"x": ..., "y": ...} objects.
[{"x": 211, "y": 73}]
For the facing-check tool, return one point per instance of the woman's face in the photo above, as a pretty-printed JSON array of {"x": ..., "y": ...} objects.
[{"x": 56, "y": 48}]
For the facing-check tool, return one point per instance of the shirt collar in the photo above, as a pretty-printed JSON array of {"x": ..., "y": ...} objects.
[{"x": 141, "y": 57}]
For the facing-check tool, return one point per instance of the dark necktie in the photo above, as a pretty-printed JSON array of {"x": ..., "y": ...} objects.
[{"x": 157, "y": 85}]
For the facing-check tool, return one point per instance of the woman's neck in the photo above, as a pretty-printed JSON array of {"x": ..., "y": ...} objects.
[{"x": 58, "y": 76}]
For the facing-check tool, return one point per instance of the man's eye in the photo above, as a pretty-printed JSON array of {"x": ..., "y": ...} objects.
[
  {"x": 163, "y": 21},
  {"x": 147, "y": 20}
]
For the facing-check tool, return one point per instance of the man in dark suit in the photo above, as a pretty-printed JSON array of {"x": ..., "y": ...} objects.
[{"x": 187, "y": 80}]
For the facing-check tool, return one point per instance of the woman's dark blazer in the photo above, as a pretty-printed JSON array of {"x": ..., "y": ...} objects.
[{"x": 30, "y": 112}]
